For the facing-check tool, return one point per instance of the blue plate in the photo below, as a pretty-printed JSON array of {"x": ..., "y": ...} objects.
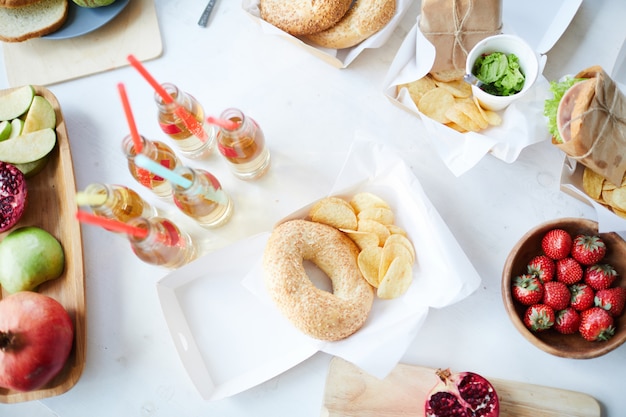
[{"x": 82, "y": 20}]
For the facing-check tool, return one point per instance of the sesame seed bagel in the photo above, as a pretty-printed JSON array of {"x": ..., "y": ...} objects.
[
  {"x": 318, "y": 313},
  {"x": 302, "y": 17},
  {"x": 365, "y": 18}
]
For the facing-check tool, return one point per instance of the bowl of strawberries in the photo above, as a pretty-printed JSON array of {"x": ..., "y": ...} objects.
[{"x": 564, "y": 289}]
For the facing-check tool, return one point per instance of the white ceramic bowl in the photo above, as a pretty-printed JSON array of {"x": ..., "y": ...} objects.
[{"x": 508, "y": 44}]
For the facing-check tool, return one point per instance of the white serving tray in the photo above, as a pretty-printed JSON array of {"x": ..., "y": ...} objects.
[{"x": 230, "y": 337}]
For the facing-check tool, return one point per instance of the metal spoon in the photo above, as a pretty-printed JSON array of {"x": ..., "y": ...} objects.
[{"x": 471, "y": 79}]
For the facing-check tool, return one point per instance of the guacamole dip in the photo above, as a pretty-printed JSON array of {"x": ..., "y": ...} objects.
[{"x": 500, "y": 73}]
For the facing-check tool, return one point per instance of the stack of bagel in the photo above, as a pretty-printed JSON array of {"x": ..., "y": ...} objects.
[
  {"x": 21, "y": 20},
  {"x": 334, "y": 24}
]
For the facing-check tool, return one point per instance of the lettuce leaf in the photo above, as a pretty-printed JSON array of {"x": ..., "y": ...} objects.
[{"x": 551, "y": 105}]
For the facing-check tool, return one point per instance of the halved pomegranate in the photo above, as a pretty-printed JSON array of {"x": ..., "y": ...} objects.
[
  {"x": 463, "y": 394},
  {"x": 13, "y": 193}
]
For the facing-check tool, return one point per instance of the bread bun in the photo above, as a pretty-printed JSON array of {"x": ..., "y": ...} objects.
[
  {"x": 317, "y": 313},
  {"x": 303, "y": 17},
  {"x": 18, "y": 24},
  {"x": 365, "y": 18}
]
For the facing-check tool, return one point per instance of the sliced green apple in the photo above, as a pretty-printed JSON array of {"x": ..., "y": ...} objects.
[
  {"x": 40, "y": 116},
  {"x": 16, "y": 103},
  {"x": 5, "y": 129},
  {"x": 30, "y": 169},
  {"x": 28, "y": 147},
  {"x": 17, "y": 125}
]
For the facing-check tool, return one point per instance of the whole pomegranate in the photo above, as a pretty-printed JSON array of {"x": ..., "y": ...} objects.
[
  {"x": 13, "y": 193},
  {"x": 463, "y": 394},
  {"x": 36, "y": 336}
]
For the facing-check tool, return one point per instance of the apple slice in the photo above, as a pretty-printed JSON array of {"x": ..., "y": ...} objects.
[
  {"x": 16, "y": 127},
  {"x": 30, "y": 169},
  {"x": 5, "y": 129},
  {"x": 16, "y": 103},
  {"x": 40, "y": 116},
  {"x": 28, "y": 147}
]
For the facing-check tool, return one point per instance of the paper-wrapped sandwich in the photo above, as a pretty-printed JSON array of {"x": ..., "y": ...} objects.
[
  {"x": 587, "y": 119},
  {"x": 454, "y": 27}
]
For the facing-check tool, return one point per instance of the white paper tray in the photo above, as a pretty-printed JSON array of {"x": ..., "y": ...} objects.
[
  {"x": 231, "y": 338},
  {"x": 523, "y": 122}
]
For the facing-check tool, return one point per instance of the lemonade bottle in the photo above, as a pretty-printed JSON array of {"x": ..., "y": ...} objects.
[{"x": 114, "y": 201}]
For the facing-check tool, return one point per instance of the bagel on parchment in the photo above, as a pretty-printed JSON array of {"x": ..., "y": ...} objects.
[
  {"x": 320, "y": 314},
  {"x": 365, "y": 18},
  {"x": 303, "y": 17}
]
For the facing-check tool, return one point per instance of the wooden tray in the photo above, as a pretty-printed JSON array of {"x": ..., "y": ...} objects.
[
  {"x": 350, "y": 392},
  {"x": 52, "y": 206}
]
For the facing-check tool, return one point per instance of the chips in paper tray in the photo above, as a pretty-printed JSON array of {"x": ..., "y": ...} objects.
[{"x": 229, "y": 334}]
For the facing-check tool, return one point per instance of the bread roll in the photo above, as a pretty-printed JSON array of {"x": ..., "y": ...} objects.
[
  {"x": 18, "y": 24},
  {"x": 303, "y": 17}
]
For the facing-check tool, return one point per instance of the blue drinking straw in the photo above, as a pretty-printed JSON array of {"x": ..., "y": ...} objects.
[{"x": 143, "y": 161}]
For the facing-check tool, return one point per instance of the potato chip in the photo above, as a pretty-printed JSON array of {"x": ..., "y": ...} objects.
[
  {"x": 368, "y": 261},
  {"x": 397, "y": 279},
  {"x": 473, "y": 112},
  {"x": 335, "y": 212},
  {"x": 362, "y": 239},
  {"x": 490, "y": 116},
  {"x": 619, "y": 198},
  {"x": 391, "y": 252},
  {"x": 401, "y": 240},
  {"x": 396, "y": 230},
  {"x": 419, "y": 87},
  {"x": 456, "y": 115},
  {"x": 379, "y": 214},
  {"x": 435, "y": 103},
  {"x": 592, "y": 183},
  {"x": 367, "y": 225},
  {"x": 458, "y": 88},
  {"x": 456, "y": 127},
  {"x": 365, "y": 200},
  {"x": 621, "y": 213}
]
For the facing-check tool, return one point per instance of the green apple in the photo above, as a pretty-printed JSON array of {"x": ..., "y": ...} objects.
[
  {"x": 28, "y": 147},
  {"x": 40, "y": 115},
  {"x": 29, "y": 256},
  {"x": 5, "y": 129},
  {"x": 93, "y": 3},
  {"x": 30, "y": 169},
  {"x": 17, "y": 125},
  {"x": 16, "y": 103}
]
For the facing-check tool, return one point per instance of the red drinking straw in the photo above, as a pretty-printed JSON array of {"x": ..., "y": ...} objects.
[
  {"x": 129, "y": 117},
  {"x": 225, "y": 123},
  {"x": 112, "y": 225},
  {"x": 185, "y": 115}
]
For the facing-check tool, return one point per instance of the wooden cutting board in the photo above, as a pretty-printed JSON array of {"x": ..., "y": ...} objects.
[
  {"x": 350, "y": 392},
  {"x": 47, "y": 61}
]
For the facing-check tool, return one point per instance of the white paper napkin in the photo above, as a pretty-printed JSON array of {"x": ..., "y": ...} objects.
[{"x": 442, "y": 275}]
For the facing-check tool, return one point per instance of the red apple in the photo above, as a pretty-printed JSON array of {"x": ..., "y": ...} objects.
[{"x": 36, "y": 337}]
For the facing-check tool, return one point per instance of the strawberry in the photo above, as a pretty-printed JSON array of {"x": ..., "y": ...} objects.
[
  {"x": 556, "y": 244},
  {"x": 568, "y": 271},
  {"x": 588, "y": 249},
  {"x": 582, "y": 296},
  {"x": 527, "y": 289},
  {"x": 600, "y": 276},
  {"x": 556, "y": 295},
  {"x": 539, "y": 317},
  {"x": 543, "y": 267},
  {"x": 567, "y": 321},
  {"x": 596, "y": 324},
  {"x": 612, "y": 300}
]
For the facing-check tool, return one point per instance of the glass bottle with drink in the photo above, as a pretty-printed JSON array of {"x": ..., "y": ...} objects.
[
  {"x": 204, "y": 200},
  {"x": 243, "y": 145},
  {"x": 194, "y": 137},
  {"x": 164, "y": 244},
  {"x": 158, "y": 152},
  {"x": 116, "y": 202}
]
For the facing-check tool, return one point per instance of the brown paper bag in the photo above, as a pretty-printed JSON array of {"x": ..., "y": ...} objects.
[
  {"x": 455, "y": 26},
  {"x": 599, "y": 142}
]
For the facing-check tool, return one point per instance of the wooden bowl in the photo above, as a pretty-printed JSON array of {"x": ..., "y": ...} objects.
[{"x": 566, "y": 346}]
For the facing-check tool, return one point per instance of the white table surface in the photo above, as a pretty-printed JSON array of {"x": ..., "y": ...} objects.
[{"x": 310, "y": 112}]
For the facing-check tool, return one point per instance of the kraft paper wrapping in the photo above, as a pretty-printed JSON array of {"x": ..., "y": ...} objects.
[
  {"x": 455, "y": 26},
  {"x": 600, "y": 143}
]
